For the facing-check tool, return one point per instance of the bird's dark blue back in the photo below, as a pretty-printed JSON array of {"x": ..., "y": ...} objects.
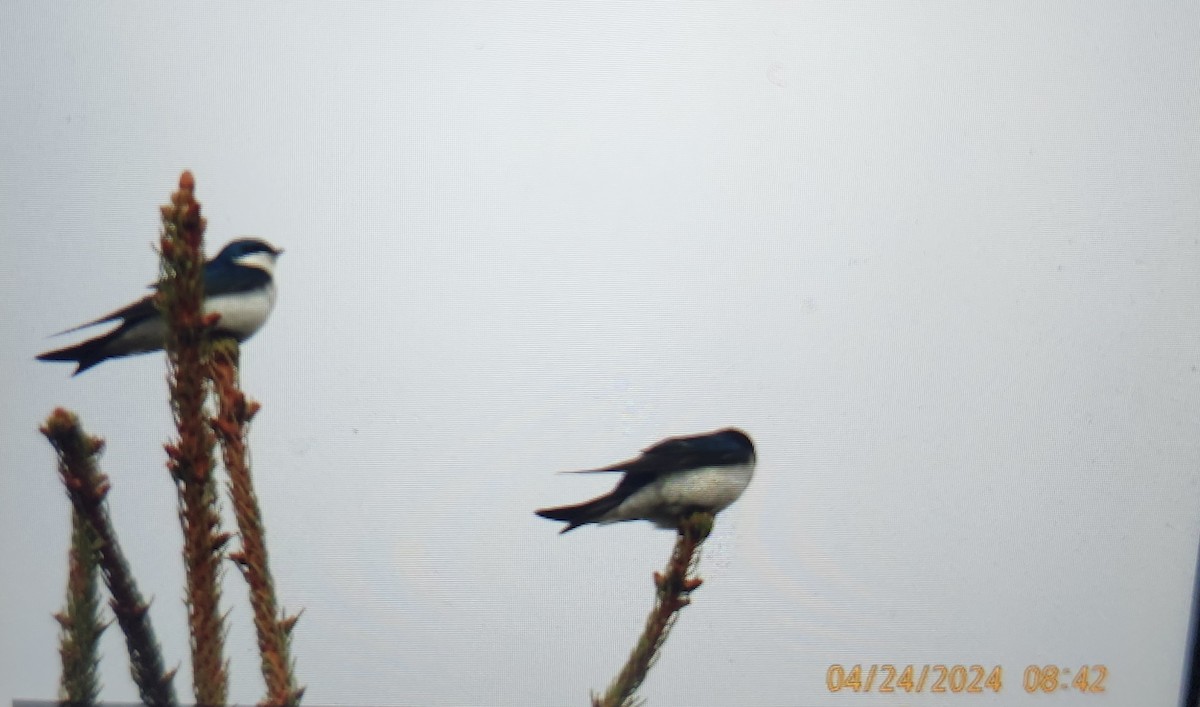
[{"x": 729, "y": 446}]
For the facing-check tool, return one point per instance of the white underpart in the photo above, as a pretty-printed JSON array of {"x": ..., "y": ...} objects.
[
  {"x": 147, "y": 336},
  {"x": 242, "y": 314},
  {"x": 709, "y": 487}
]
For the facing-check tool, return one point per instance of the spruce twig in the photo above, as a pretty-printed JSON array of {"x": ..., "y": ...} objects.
[
  {"x": 80, "y": 621},
  {"x": 671, "y": 595},
  {"x": 234, "y": 413},
  {"x": 87, "y": 489},
  {"x": 190, "y": 457}
]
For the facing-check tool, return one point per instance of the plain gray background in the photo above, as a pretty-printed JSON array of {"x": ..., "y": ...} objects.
[{"x": 940, "y": 260}]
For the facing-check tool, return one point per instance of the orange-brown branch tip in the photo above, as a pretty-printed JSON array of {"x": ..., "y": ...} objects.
[
  {"x": 289, "y": 623},
  {"x": 220, "y": 540},
  {"x": 61, "y": 421}
]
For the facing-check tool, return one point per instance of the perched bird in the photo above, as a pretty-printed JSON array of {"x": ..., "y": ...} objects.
[
  {"x": 677, "y": 476},
  {"x": 238, "y": 285}
]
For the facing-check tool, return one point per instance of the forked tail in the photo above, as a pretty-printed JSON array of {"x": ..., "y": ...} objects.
[
  {"x": 580, "y": 514},
  {"x": 87, "y": 354}
]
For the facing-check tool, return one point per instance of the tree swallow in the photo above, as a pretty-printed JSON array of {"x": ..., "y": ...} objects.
[
  {"x": 675, "y": 477},
  {"x": 238, "y": 285}
]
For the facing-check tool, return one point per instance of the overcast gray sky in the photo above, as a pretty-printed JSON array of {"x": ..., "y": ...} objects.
[{"x": 938, "y": 259}]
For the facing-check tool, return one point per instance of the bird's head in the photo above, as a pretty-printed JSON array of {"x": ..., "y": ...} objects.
[
  {"x": 250, "y": 253},
  {"x": 737, "y": 439}
]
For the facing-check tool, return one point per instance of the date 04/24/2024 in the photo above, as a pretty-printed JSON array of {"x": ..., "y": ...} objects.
[{"x": 886, "y": 678}]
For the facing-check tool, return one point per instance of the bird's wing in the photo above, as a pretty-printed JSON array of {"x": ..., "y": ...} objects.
[
  {"x": 678, "y": 453},
  {"x": 669, "y": 455},
  {"x": 219, "y": 279},
  {"x": 223, "y": 279},
  {"x": 137, "y": 311},
  {"x": 622, "y": 466}
]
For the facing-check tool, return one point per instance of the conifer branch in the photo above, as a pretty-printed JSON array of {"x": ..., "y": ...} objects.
[
  {"x": 671, "y": 595},
  {"x": 80, "y": 621},
  {"x": 234, "y": 413},
  {"x": 87, "y": 489},
  {"x": 190, "y": 457}
]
